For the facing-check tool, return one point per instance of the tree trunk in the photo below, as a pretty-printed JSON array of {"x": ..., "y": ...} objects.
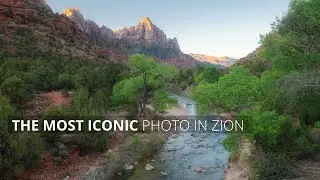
[{"x": 145, "y": 94}]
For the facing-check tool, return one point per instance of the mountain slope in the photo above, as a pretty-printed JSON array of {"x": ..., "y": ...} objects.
[
  {"x": 250, "y": 58},
  {"x": 224, "y": 61},
  {"x": 29, "y": 27}
]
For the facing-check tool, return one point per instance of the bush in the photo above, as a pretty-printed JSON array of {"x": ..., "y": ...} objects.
[
  {"x": 317, "y": 125},
  {"x": 266, "y": 127},
  {"x": 61, "y": 112},
  {"x": 44, "y": 78},
  {"x": 272, "y": 165},
  {"x": 65, "y": 81},
  {"x": 90, "y": 142},
  {"x": 232, "y": 144},
  {"x": 16, "y": 89},
  {"x": 17, "y": 150}
]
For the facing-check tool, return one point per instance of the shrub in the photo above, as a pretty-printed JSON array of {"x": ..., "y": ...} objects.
[
  {"x": 65, "y": 81},
  {"x": 89, "y": 142},
  {"x": 232, "y": 144},
  {"x": 16, "y": 89},
  {"x": 266, "y": 127},
  {"x": 60, "y": 112},
  {"x": 272, "y": 165},
  {"x": 136, "y": 139},
  {"x": 17, "y": 150},
  {"x": 317, "y": 125}
]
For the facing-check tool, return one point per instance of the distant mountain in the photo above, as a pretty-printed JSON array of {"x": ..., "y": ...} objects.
[
  {"x": 224, "y": 61},
  {"x": 70, "y": 33}
]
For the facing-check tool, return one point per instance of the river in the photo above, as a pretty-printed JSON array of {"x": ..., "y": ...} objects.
[{"x": 186, "y": 153}]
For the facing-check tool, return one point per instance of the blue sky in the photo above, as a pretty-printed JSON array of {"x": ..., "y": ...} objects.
[{"x": 213, "y": 27}]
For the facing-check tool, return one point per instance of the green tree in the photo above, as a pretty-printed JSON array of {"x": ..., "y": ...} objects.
[
  {"x": 148, "y": 78},
  {"x": 235, "y": 91},
  {"x": 208, "y": 74}
]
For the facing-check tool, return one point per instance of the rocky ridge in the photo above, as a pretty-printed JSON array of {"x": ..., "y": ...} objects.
[
  {"x": 148, "y": 34},
  {"x": 251, "y": 57},
  {"x": 223, "y": 61},
  {"x": 70, "y": 33},
  {"x": 88, "y": 26}
]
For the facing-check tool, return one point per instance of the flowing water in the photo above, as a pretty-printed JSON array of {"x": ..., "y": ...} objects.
[{"x": 183, "y": 154}]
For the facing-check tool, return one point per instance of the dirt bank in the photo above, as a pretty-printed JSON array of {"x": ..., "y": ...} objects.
[{"x": 240, "y": 168}]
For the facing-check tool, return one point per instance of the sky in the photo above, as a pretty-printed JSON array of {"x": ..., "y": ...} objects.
[{"x": 212, "y": 27}]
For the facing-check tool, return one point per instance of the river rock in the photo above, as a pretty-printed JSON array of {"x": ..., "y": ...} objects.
[
  {"x": 149, "y": 167},
  {"x": 174, "y": 135},
  {"x": 172, "y": 149},
  {"x": 200, "y": 170},
  {"x": 163, "y": 173},
  {"x": 128, "y": 167}
]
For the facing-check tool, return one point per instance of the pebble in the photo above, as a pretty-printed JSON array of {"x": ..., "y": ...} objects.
[
  {"x": 163, "y": 173},
  {"x": 128, "y": 167},
  {"x": 149, "y": 167}
]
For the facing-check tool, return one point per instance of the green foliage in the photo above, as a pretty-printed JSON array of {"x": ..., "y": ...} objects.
[
  {"x": 136, "y": 139},
  {"x": 183, "y": 80},
  {"x": 44, "y": 78},
  {"x": 16, "y": 89},
  {"x": 235, "y": 91},
  {"x": 65, "y": 81},
  {"x": 277, "y": 94},
  {"x": 90, "y": 142},
  {"x": 161, "y": 101},
  {"x": 293, "y": 43},
  {"x": 232, "y": 144},
  {"x": 208, "y": 75},
  {"x": 52, "y": 73},
  {"x": 60, "y": 112},
  {"x": 127, "y": 90},
  {"x": 148, "y": 80},
  {"x": 17, "y": 150},
  {"x": 266, "y": 126},
  {"x": 317, "y": 125},
  {"x": 21, "y": 77},
  {"x": 239, "y": 88}
]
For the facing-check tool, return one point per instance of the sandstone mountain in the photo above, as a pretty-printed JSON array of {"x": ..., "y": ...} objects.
[
  {"x": 147, "y": 34},
  {"x": 223, "y": 62},
  {"x": 88, "y": 26},
  {"x": 29, "y": 27}
]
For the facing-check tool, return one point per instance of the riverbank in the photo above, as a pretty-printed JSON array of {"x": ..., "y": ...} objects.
[
  {"x": 136, "y": 150},
  {"x": 239, "y": 163},
  {"x": 239, "y": 168}
]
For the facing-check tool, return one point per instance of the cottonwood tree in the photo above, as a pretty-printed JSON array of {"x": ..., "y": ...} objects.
[
  {"x": 148, "y": 83},
  {"x": 236, "y": 91}
]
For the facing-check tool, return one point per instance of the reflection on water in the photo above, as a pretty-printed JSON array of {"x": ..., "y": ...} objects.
[{"x": 181, "y": 156}]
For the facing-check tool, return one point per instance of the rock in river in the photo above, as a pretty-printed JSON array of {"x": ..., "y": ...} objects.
[
  {"x": 163, "y": 173},
  {"x": 149, "y": 167},
  {"x": 128, "y": 167}
]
